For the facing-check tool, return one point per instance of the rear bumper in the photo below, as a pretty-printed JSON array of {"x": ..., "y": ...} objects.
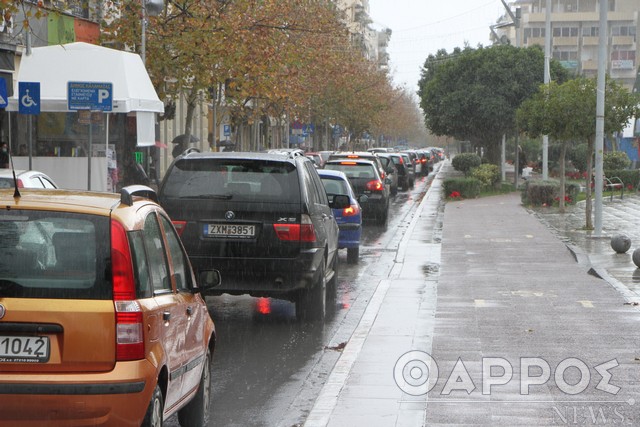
[
  {"x": 263, "y": 276},
  {"x": 116, "y": 398},
  {"x": 349, "y": 235}
]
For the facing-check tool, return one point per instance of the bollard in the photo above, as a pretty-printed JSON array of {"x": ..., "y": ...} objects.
[
  {"x": 636, "y": 257},
  {"x": 620, "y": 243}
]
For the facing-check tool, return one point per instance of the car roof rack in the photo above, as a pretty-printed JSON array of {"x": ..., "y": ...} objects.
[{"x": 127, "y": 193}]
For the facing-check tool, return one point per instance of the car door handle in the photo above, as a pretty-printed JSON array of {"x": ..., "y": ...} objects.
[
  {"x": 189, "y": 311},
  {"x": 166, "y": 316}
]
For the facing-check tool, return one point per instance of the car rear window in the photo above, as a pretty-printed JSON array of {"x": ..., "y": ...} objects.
[
  {"x": 55, "y": 255},
  {"x": 334, "y": 186},
  {"x": 232, "y": 179},
  {"x": 353, "y": 170}
]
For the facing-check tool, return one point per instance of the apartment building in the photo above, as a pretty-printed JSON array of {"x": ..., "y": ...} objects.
[{"x": 575, "y": 34}]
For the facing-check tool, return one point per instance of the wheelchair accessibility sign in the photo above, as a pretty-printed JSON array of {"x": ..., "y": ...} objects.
[{"x": 29, "y": 97}]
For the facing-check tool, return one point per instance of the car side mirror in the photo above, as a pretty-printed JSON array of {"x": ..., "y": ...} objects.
[
  {"x": 388, "y": 180},
  {"x": 363, "y": 198},
  {"x": 209, "y": 279},
  {"x": 340, "y": 201}
]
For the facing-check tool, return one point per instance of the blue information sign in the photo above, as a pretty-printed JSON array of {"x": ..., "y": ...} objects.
[
  {"x": 94, "y": 96},
  {"x": 4, "y": 101},
  {"x": 29, "y": 97}
]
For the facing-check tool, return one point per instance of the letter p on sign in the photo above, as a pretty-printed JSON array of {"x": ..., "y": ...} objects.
[{"x": 102, "y": 95}]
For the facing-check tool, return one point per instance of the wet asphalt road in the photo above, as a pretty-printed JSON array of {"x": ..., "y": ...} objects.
[{"x": 269, "y": 367}]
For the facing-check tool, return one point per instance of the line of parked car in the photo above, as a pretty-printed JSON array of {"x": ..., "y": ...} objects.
[{"x": 103, "y": 318}]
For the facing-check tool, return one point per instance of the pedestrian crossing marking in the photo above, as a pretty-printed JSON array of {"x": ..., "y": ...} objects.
[
  {"x": 586, "y": 304},
  {"x": 479, "y": 302}
]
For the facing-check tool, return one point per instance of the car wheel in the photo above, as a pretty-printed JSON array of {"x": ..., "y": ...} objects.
[
  {"x": 383, "y": 216},
  {"x": 196, "y": 413},
  {"x": 332, "y": 285},
  {"x": 311, "y": 303},
  {"x": 154, "y": 415},
  {"x": 353, "y": 255}
]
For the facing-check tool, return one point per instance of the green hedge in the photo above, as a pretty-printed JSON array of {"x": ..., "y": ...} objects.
[
  {"x": 628, "y": 176},
  {"x": 464, "y": 162},
  {"x": 468, "y": 188},
  {"x": 540, "y": 193},
  {"x": 487, "y": 174}
]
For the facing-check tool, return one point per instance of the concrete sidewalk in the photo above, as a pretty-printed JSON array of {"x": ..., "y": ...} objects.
[{"x": 497, "y": 324}]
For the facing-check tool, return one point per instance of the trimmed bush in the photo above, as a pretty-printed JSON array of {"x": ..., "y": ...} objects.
[
  {"x": 487, "y": 174},
  {"x": 467, "y": 188},
  {"x": 464, "y": 162},
  {"x": 540, "y": 193},
  {"x": 615, "y": 161}
]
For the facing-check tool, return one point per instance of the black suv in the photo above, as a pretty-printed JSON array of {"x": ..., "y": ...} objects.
[{"x": 264, "y": 220}]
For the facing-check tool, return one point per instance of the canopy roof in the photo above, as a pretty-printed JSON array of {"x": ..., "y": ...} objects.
[{"x": 55, "y": 66}]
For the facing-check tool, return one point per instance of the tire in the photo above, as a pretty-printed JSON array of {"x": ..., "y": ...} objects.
[
  {"x": 197, "y": 412},
  {"x": 382, "y": 217},
  {"x": 332, "y": 285},
  {"x": 155, "y": 411},
  {"x": 311, "y": 303},
  {"x": 353, "y": 255}
]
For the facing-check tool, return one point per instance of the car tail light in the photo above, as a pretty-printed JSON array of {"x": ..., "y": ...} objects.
[
  {"x": 375, "y": 185},
  {"x": 423, "y": 160},
  {"x": 351, "y": 210},
  {"x": 348, "y": 163},
  {"x": 180, "y": 226},
  {"x": 303, "y": 232},
  {"x": 401, "y": 160},
  {"x": 129, "y": 330}
]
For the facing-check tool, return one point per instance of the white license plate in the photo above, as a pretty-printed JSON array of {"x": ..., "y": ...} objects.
[
  {"x": 24, "y": 349},
  {"x": 238, "y": 231}
]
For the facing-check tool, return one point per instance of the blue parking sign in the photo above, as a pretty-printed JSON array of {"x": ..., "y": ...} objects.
[
  {"x": 29, "y": 97},
  {"x": 4, "y": 100}
]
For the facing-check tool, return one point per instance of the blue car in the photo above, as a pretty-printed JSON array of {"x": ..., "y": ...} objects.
[{"x": 349, "y": 219}]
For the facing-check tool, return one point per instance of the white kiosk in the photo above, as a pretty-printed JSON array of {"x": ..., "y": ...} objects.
[{"x": 74, "y": 146}]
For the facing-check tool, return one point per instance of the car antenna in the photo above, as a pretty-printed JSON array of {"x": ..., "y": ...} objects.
[{"x": 16, "y": 192}]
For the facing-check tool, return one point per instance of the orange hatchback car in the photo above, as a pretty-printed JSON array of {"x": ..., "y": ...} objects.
[{"x": 102, "y": 321}]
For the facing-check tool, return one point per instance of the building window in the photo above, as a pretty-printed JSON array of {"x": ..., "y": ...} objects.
[
  {"x": 623, "y": 55},
  {"x": 533, "y": 32},
  {"x": 590, "y": 31},
  {"x": 565, "y": 55},
  {"x": 565, "y": 32},
  {"x": 623, "y": 30}
]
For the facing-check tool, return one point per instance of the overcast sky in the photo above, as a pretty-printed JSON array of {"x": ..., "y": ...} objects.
[{"x": 421, "y": 27}]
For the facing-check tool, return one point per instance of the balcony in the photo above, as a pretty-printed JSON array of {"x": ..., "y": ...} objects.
[
  {"x": 623, "y": 40},
  {"x": 565, "y": 41},
  {"x": 533, "y": 41},
  {"x": 590, "y": 65},
  {"x": 579, "y": 17},
  {"x": 590, "y": 41}
]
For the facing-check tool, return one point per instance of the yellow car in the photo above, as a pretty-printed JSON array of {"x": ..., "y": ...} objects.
[{"x": 102, "y": 321}]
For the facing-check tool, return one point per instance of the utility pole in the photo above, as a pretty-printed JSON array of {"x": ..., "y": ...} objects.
[
  {"x": 515, "y": 21},
  {"x": 602, "y": 66},
  {"x": 547, "y": 79}
]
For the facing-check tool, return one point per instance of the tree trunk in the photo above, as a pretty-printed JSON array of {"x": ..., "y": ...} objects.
[
  {"x": 192, "y": 101},
  {"x": 563, "y": 153},
  {"x": 589, "y": 202}
]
